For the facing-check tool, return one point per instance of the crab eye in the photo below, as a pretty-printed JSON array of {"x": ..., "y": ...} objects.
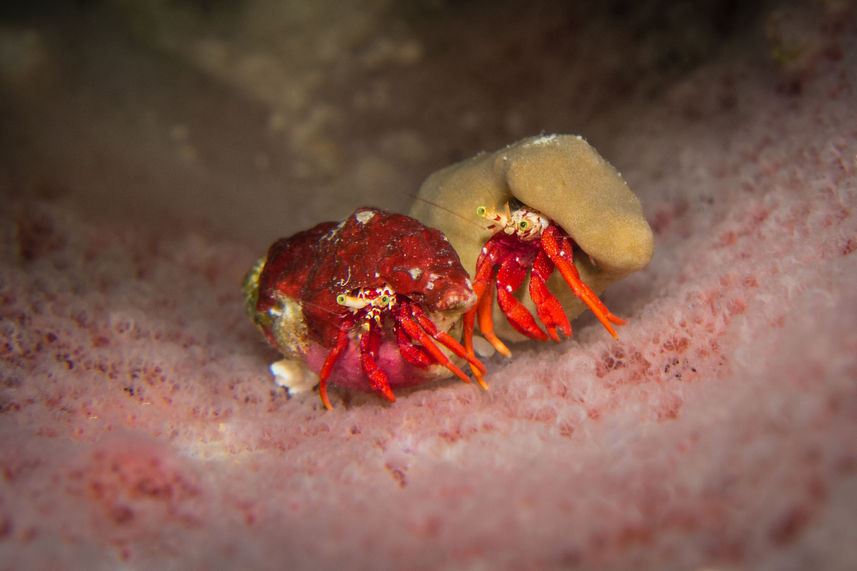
[
  {"x": 340, "y": 299},
  {"x": 385, "y": 299},
  {"x": 524, "y": 225},
  {"x": 481, "y": 211}
]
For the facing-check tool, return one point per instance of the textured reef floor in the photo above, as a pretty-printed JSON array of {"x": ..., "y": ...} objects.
[{"x": 139, "y": 425}]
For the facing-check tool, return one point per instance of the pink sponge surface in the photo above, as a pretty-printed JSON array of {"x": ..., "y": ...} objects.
[{"x": 140, "y": 428}]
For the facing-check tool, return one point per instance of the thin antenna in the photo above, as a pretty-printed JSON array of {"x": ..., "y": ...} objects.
[{"x": 450, "y": 211}]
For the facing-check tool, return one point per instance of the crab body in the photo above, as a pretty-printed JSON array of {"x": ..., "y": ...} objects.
[{"x": 365, "y": 303}]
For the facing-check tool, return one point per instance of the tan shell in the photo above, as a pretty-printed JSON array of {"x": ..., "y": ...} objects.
[{"x": 564, "y": 178}]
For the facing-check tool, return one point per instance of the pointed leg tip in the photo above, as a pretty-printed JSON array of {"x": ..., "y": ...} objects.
[
  {"x": 322, "y": 393},
  {"x": 480, "y": 379},
  {"x": 458, "y": 373}
]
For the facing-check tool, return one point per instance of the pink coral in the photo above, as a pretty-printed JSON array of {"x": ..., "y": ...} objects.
[{"x": 140, "y": 427}]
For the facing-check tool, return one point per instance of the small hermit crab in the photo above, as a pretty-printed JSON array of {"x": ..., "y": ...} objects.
[
  {"x": 541, "y": 203},
  {"x": 368, "y": 303}
]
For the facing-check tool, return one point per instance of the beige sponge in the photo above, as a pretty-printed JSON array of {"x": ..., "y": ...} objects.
[{"x": 564, "y": 178}]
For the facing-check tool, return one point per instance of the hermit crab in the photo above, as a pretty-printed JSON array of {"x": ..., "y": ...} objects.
[
  {"x": 370, "y": 303},
  {"x": 541, "y": 203}
]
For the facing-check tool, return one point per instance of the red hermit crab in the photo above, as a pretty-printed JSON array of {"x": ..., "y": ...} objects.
[
  {"x": 367, "y": 303},
  {"x": 526, "y": 241},
  {"x": 518, "y": 213}
]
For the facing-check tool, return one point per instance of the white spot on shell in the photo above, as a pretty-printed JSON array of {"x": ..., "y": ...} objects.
[
  {"x": 542, "y": 140},
  {"x": 432, "y": 278},
  {"x": 364, "y": 217},
  {"x": 333, "y": 231},
  {"x": 415, "y": 273}
]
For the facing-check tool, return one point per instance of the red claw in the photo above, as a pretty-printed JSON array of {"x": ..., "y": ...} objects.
[
  {"x": 548, "y": 306},
  {"x": 370, "y": 342},
  {"x": 510, "y": 276}
]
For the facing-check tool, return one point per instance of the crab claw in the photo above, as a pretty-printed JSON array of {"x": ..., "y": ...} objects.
[
  {"x": 510, "y": 276},
  {"x": 548, "y": 306},
  {"x": 370, "y": 342}
]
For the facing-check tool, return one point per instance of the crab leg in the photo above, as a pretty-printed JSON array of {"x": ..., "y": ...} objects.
[
  {"x": 484, "y": 300},
  {"x": 469, "y": 325},
  {"x": 548, "y": 306},
  {"x": 444, "y": 338},
  {"x": 484, "y": 296},
  {"x": 486, "y": 321},
  {"x": 447, "y": 341},
  {"x": 559, "y": 249},
  {"x": 341, "y": 345},
  {"x": 411, "y": 328},
  {"x": 370, "y": 342}
]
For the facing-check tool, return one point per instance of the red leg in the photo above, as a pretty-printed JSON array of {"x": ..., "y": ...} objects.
[
  {"x": 370, "y": 342},
  {"x": 550, "y": 310},
  {"x": 446, "y": 340},
  {"x": 442, "y": 336},
  {"x": 469, "y": 325},
  {"x": 411, "y": 328},
  {"x": 509, "y": 278},
  {"x": 559, "y": 248},
  {"x": 341, "y": 345},
  {"x": 484, "y": 297},
  {"x": 486, "y": 322}
]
